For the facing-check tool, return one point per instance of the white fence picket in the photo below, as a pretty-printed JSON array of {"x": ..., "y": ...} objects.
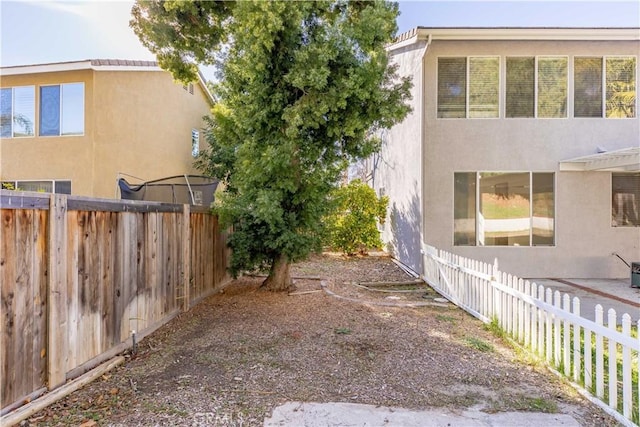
[
  {"x": 548, "y": 323},
  {"x": 599, "y": 354},
  {"x": 613, "y": 361},
  {"x": 627, "y": 398},
  {"x": 566, "y": 336},
  {"x": 577, "y": 350}
]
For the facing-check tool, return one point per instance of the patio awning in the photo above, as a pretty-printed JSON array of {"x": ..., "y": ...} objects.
[{"x": 625, "y": 160}]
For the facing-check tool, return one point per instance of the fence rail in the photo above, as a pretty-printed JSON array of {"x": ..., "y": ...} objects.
[
  {"x": 80, "y": 276},
  {"x": 597, "y": 356}
]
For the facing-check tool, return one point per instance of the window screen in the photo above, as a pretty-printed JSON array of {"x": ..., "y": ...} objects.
[
  {"x": 484, "y": 87},
  {"x": 552, "y": 87},
  {"x": 625, "y": 200},
  {"x": 452, "y": 83},
  {"x": 587, "y": 87},
  {"x": 621, "y": 87},
  {"x": 520, "y": 87}
]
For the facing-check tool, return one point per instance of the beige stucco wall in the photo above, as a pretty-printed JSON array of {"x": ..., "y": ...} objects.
[
  {"x": 143, "y": 125},
  {"x": 584, "y": 236},
  {"x": 136, "y": 122},
  {"x": 398, "y": 172},
  {"x": 51, "y": 157}
]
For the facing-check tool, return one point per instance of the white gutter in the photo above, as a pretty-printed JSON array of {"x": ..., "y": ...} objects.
[{"x": 567, "y": 34}]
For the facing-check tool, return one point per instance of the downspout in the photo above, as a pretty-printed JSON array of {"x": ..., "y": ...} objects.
[{"x": 423, "y": 133}]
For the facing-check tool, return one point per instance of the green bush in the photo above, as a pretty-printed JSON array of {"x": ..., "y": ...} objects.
[{"x": 353, "y": 227}]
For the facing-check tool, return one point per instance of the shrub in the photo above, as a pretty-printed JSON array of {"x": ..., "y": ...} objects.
[{"x": 353, "y": 225}]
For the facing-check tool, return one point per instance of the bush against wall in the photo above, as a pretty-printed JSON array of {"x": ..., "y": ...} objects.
[{"x": 353, "y": 227}]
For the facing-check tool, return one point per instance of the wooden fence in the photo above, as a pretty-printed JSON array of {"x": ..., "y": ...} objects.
[
  {"x": 81, "y": 276},
  {"x": 599, "y": 358}
]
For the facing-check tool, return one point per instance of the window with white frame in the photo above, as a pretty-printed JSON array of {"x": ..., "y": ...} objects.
[
  {"x": 504, "y": 209},
  {"x": 625, "y": 199},
  {"x": 468, "y": 87},
  {"x": 40, "y": 186},
  {"x": 604, "y": 87},
  {"x": 62, "y": 109},
  {"x": 195, "y": 142},
  {"x": 536, "y": 87},
  {"x": 17, "y": 111}
]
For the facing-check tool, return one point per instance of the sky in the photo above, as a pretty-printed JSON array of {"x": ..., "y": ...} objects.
[{"x": 38, "y": 32}]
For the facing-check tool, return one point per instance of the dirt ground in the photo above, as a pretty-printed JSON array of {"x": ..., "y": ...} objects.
[{"x": 238, "y": 354}]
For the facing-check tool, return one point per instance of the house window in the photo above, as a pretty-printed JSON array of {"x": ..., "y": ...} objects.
[
  {"x": 536, "y": 87},
  {"x": 17, "y": 111},
  {"x": 62, "y": 109},
  {"x": 195, "y": 142},
  {"x": 504, "y": 209},
  {"x": 621, "y": 87},
  {"x": 40, "y": 186},
  {"x": 468, "y": 87},
  {"x": 625, "y": 199},
  {"x": 618, "y": 100}
]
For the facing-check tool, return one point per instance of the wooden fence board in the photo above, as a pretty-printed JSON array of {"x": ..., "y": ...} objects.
[{"x": 78, "y": 275}]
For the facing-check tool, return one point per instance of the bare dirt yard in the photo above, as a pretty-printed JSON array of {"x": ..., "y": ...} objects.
[{"x": 240, "y": 353}]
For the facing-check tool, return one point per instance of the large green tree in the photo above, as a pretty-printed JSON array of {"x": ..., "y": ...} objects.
[{"x": 303, "y": 87}]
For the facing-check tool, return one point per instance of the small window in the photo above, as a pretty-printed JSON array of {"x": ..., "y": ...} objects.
[
  {"x": 17, "y": 111},
  {"x": 62, "y": 109},
  {"x": 195, "y": 142},
  {"x": 587, "y": 87},
  {"x": 452, "y": 87},
  {"x": 520, "y": 96},
  {"x": 625, "y": 200},
  {"x": 40, "y": 186},
  {"x": 621, "y": 87},
  {"x": 552, "y": 87}
]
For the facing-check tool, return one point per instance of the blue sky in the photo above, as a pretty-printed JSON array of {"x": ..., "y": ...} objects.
[{"x": 35, "y": 32}]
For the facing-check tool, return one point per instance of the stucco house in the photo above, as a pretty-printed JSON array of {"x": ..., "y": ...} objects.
[
  {"x": 76, "y": 127},
  {"x": 523, "y": 145}
]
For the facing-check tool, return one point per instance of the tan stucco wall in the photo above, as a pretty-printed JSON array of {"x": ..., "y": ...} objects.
[
  {"x": 51, "y": 157},
  {"x": 143, "y": 127},
  {"x": 584, "y": 236},
  {"x": 136, "y": 122}
]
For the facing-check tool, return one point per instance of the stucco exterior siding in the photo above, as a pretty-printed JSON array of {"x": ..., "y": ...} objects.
[
  {"x": 51, "y": 157},
  {"x": 144, "y": 130},
  {"x": 584, "y": 238},
  {"x": 399, "y": 172},
  {"x": 137, "y": 121}
]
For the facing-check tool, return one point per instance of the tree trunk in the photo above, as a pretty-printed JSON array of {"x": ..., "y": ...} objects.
[{"x": 279, "y": 278}]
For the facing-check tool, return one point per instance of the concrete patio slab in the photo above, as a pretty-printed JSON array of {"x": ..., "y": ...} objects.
[
  {"x": 301, "y": 414},
  {"x": 609, "y": 293}
]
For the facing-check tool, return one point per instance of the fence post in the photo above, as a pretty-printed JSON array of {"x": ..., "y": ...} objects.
[
  {"x": 186, "y": 256},
  {"x": 57, "y": 313}
]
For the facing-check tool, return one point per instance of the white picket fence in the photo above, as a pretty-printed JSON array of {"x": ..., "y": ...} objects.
[{"x": 595, "y": 356}]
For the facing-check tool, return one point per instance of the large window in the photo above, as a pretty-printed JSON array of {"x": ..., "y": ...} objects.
[
  {"x": 504, "y": 209},
  {"x": 468, "y": 87},
  {"x": 17, "y": 111},
  {"x": 625, "y": 199},
  {"x": 536, "y": 87},
  {"x": 62, "y": 109},
  {"x": 617, "y": 99}
]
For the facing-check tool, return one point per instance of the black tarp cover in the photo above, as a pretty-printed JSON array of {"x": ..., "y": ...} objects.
[{"x": 181, "y": 189}]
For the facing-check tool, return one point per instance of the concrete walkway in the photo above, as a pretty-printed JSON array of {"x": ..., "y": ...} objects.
[
  {"x": 609, "y": 293},
  {"x": 299, "y": 414}
]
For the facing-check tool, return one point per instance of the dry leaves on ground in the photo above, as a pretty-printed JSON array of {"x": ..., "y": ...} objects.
[{"x": 238, "y": 354}]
